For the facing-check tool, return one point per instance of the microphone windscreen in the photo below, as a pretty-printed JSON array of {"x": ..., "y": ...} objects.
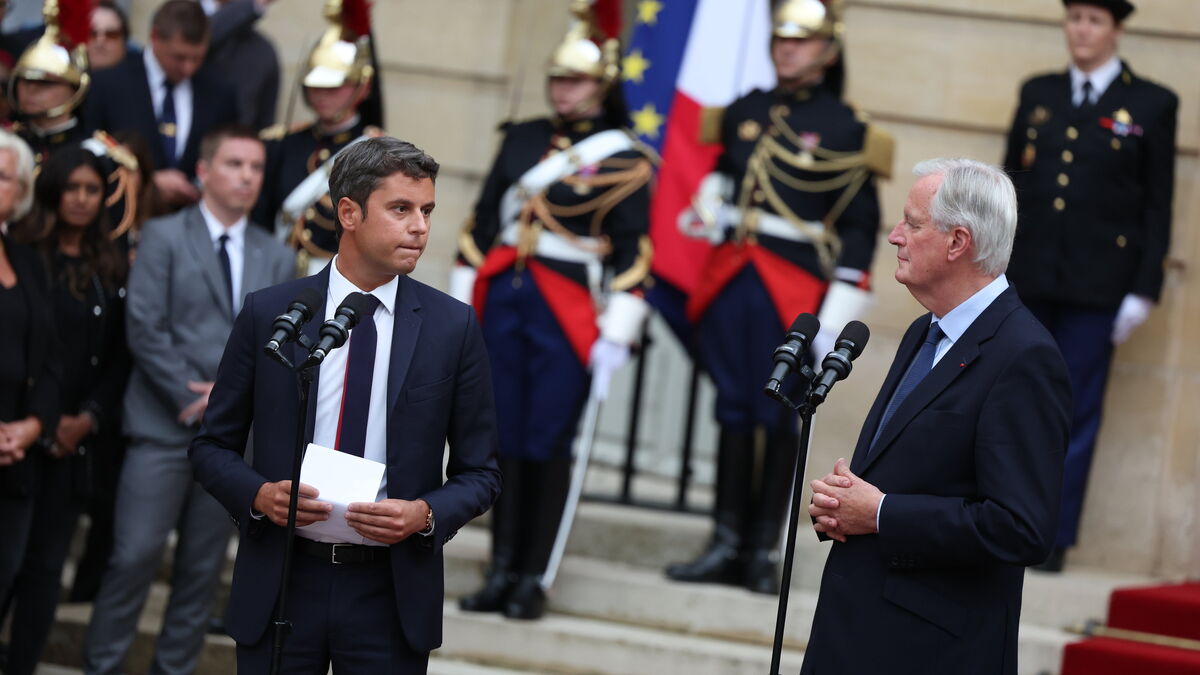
[
  {"x": 807, "y": 325},
  {"x": 361, "y": 303},
  {"x": 310, "y": 298},
  {"x": 857, "y": 334}
]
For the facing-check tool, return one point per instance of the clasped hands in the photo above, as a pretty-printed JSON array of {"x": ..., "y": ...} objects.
[
  {"x": 844, "y": 504},
  {"x": 388, "y": 521}
]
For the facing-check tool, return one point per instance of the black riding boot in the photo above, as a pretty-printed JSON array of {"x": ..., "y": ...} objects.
[
  {"x": 721, "y": 562},
  {"x": 506, "y": 524},
  {"x": 770, "y": 510},
  {"x": 545, "y": 494}
]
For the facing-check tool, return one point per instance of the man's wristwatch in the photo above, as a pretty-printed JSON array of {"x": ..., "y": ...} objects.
[{"x": 428, "y": 521}]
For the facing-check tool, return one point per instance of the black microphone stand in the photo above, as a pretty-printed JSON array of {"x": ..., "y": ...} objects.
[
  {"x": 805, "y": 409},
  {"x": 304, "y": 378}
]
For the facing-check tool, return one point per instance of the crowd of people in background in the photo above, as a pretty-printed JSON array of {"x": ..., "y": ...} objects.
[
  {"x": 142, "y": 189},
  {"x": 127, "y": 178}
]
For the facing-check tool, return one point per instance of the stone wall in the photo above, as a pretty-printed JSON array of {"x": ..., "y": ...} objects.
[{"x": 942, "y": 76}]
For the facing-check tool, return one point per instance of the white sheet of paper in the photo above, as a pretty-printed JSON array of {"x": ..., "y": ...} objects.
[{"x": 340, "y": 478}]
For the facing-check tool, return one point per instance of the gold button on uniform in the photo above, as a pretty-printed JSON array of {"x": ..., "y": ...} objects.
[
  {"x": 323, "y": 155},
  {"x": 1059, "y": 203},
  {"x": 1031, "y": 134},
  {"x": 759, "y": 196},
  {"x": 1121, "y": 241},
  {"x": 1072, "y": 133},
  {"x": 1116, "y": 144},
  {"x": 1068, "y": 156},
  {"x": 1063, "y": 179}
]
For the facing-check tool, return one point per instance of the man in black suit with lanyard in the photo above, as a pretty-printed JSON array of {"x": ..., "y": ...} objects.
[
  {"x": 1092, "y": 154},
  {"x": 954, "y": 484},
  {"x": 159, "y": 94}
]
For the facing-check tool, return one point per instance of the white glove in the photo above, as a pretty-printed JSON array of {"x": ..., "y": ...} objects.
[
  {"x": 462, "y": 283},
  {"x": 606, "y": 357},
  {"x": 1134, "y": 311},
  {"x": 822, "y": 344},
  {"x": 844, "y": 302},
  {"x": 705, "y": 217}
]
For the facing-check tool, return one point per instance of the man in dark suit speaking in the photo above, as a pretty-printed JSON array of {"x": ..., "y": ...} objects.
[
  {"x": 413, "y": 378},
  {"x": 954, "y": 485}
]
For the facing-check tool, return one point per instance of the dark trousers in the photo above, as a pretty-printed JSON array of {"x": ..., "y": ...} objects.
[
  {"x": 1084, "y": 338},
  {"x": 38, "y": 584},
  {"x": 16, "y": 514},
  {"x": 539, "y": 382},
  {"x": 737, "y": 337},
  {"x": 344, "y": 615}
]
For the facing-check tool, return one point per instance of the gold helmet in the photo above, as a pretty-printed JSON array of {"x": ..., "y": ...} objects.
[
  {"x": 808, "y": 18},
  {"x": 343, "y": 55},
  {"x": 60, "y": 55},
  {"x": 584, "y": 50}
]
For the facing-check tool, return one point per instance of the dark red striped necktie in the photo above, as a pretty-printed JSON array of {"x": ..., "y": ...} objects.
[{"x": 356, "y": 391}]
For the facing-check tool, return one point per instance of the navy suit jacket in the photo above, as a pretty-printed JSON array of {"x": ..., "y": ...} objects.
[
  {"x": 120, "y": 100},
  {"x": 971, "y": 463},
  {"x": 439, "y": 391}
]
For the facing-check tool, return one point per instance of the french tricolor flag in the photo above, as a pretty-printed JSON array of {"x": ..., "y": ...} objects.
[{"x": 685, "y": 56}]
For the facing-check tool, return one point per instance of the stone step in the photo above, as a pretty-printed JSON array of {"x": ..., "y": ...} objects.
[
  {"x": 649, "y": 540},
  {"x": 63, "y": 655},
  {"x": 569, "y": 644},
  {"x": 636, "y": 596}
]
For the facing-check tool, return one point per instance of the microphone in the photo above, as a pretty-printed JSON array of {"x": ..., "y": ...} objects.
[
  {"x": 336, "y": 331},
  {"x": 790, "y": 354},
  {"x": 287, "y": 325},
  {"x": 837, "y": 363}
]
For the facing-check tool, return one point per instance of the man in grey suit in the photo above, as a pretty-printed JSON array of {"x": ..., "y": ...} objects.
[{"x": 193, "y": 269}]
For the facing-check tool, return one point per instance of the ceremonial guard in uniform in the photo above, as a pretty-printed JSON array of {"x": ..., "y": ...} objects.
[
  {"x": 51, "y": 79},
  {"x": 48, "y": 84},
  {"x": 793, "y": 214},
  {"x": 559, "y": 242},
  {"x": 1092, "y": 154},
  {"x": 337, "y": 79}
]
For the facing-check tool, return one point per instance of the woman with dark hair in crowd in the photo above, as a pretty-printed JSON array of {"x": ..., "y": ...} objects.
[
  {"x": 142, "y": 205},
  {"x": 29, "y": 384},
  {"x": 87, "y": 273}
]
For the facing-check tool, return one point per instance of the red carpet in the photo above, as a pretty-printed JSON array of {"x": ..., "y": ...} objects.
[{"x": 1161, "y": 610}]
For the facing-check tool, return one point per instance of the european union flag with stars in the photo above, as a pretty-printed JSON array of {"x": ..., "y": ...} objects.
[{"x": 651, "y": 66}]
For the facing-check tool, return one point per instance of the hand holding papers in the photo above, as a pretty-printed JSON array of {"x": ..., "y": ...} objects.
[{"x": 341, "y": 479}]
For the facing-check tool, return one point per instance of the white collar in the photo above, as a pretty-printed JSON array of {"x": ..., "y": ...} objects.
[
  {"x": 1100, "y": 78},
  {"x": 345, "y": 125},
  {"x": 210, "y": 7},
  {"x": 958, "y": 320},
  {"x": 158, "y": 77},
  {"x": 340, "y": 287},
  {"x": 236, "y": 232}
]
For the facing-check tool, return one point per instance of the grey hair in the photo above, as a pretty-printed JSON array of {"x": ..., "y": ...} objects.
[
  {"x": 13, "y": 143},
  {"x": 979, "y": 197},
  {"x": 359, "y": 168}
]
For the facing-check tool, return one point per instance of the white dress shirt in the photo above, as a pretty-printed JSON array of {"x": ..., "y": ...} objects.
[
  {"x": 1100, "y": 79},
  {"x": 958, "y": 320},
  {"x": 183, "y": 99},
  {"x": 333, "y": 374},
  {"x": 954, "y": 324},
  {"x": 235, "y": 247}
]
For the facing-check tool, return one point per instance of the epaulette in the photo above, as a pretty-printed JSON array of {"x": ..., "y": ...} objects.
[
  {"x": 879, "y": 149},
  {"x": 710, "y": 125},
  {"x": 862, "y": 116},
  {"x": 274, "y": 132},
  {"x": 119, "y": 153}
]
